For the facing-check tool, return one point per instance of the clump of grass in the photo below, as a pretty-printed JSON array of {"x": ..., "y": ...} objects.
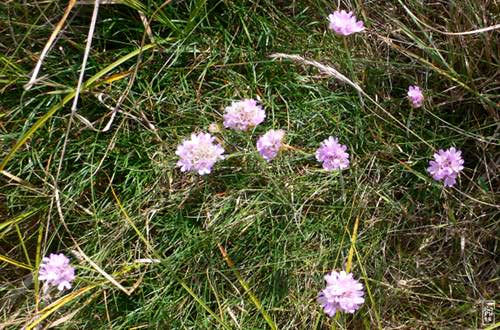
[{"x": 146, "y": 239}]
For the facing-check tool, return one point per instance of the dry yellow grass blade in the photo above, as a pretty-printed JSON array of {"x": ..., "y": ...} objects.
[
  {"x": 353, "y": 245},
  {"x": 47, "y": 311},
  {"x": 14, "y": 262},
  {"x": 117, "y": 76},
  {"x": 57, "y": 323},
  {"x": 49, "y": 43}
]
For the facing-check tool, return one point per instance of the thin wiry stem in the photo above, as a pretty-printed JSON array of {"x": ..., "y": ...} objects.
[{"x": 86, "y": 54}]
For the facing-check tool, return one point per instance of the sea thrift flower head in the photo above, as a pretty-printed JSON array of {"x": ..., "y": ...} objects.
[
  {"x": 344, "y": 23},
  {"x": 242, "y": 115},
  {"x": 55, "y": 270},
  {"x": 342, "y": 293},
  {"x": 199, "y": 153},
  {"x": 416, "y": 97},
  {"x": 270, "y": 144},
  {"x": 332, "y": 154},
  {"x": 446, "y": 166}
]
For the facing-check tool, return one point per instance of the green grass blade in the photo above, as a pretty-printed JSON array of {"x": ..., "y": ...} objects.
[
  {"x": 202, "y": 304},
  {"x": 17, "y": 219}
]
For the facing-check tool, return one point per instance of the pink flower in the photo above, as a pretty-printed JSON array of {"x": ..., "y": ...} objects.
[
  {"x": 242, "y": 115},
  {"x": 56, "y": 271},
  {"x": 416, "y": 97},
  {"x": 342, "y": 293},
  {"x": 332, "y": 154},
  {"x": 199, "y": 153},
  {"x": 270, "y": 144},
  {"x": 344, "y": 23},
  {"x": 446, "y": 166}
]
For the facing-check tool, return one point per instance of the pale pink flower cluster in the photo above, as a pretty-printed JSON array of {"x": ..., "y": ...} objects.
[
  {"x": 199, "y": 154},
  {"x": 416, "y": 96},
  {"x": 344, "y": 23},
  {"x": 270, "y": 144},
  {"x": 243, "y": 115},
  {"x": 342, "y": 293},
  {"x": 446, "y": 166},
  {"x": 332, "y": 154},
  {"x": 55, "y": 270}
]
